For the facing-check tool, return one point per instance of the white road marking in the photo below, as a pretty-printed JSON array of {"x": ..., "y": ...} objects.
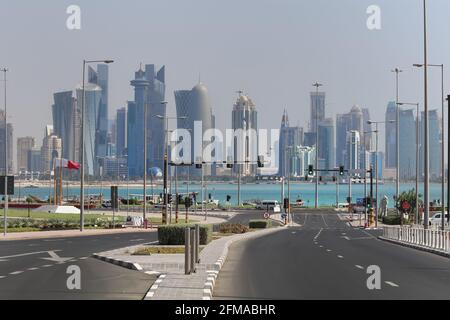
[
  {"x": 1, "y": 277},
  {"x": 32, "y": 269},
  {"x": 321, "y": 246},
  {"x": 16, "y": 272},
  {"x": 328, "y": 250},
  {"x": 132, "y": 240},
  {"x": 391, "y": 284},
  {"x": 359, "y": 267},
  {"x": 340, "y": 257},
  {"x": 293, "y": 232},
  {"x": 324, "y": 220},
  {"x": 53, "y": 240},
  {"x": 346, "y": 238},
  {"x": 343, "y": 233},
  {"x": 46, "y": 265},
  {"x": 318, "y": 234},
  {"x": 84, "y": 258},
  {"x": 26, "y": 254}
]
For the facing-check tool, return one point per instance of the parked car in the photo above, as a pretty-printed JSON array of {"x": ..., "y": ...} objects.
[{"x": 437, "y": 218}]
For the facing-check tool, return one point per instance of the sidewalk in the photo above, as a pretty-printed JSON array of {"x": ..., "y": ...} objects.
[
  {"x": 172, "y": 282},
  {"x": 355, "y": 221}
]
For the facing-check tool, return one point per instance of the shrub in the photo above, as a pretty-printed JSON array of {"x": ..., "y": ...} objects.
[
  {"x": 259, "y": 224},
  {"x": 391, "y": 220},
  {"x": 174, "y": 235},
  {"x": 233, "y": 228}
]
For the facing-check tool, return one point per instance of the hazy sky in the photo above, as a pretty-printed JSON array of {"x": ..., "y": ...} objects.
[{"x": 272, "y": 49}]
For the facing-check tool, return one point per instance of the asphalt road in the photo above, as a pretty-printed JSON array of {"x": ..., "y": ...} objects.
[
  {"x": 27, "y": 273},
  {"x": 326, "y": 259}
]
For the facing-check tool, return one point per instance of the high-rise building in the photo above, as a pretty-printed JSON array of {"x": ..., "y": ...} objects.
[
  {"x": 390, "y": 136},
  {"x": 317, "y": 109},
  {"x": 373, "y": 161},
  {"x": 100, "y": 78},
  {"x": 93, "y": 94},
  {"x": 342, "y": 127},
  {"x": 63, "y": 111},
  {"x": 34, "y": 160},
  {"x": 149, "y": 92},
  {"x": 51, "y": 149},
  {"x": 121, "y": 131},
  {"x": 290, "y": 138},
  {"x": 195, "y": 106},
  {"x": 434, "y": 144},
  {"x": 367, "y": 128},
  {"x": 245, "y": 126},
  {"x": 326, "y": 144},
  {"x": 407, "y": 170},
  {"x": 300, "y": 159},
  {"x": 24, "y": 145},
  {"x": 353, "y": 160},
  {"x": 9, "y": 134}
]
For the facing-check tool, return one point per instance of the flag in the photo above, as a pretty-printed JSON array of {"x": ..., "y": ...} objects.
[{"x": 69, "y": 164}]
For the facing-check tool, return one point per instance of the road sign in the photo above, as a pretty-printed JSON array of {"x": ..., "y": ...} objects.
[
  {"x": 266, "y": 215},
  {"x": 10, "y": 185}
]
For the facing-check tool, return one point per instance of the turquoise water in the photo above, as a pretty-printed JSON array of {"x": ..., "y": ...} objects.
[{"x": 219, "y": 191}]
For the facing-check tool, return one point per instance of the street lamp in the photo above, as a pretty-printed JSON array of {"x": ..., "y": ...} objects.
[
  {"x": 417, "y": 155},
  {"x": 83, "y": 98},
  {"x": 317, "y": 85},
  {"x": 397, "y": 135},
  {"x": 5, "y": 207},
  {"x": 442, "y": 139},
  {"x": 376, "y": 131},
  {"x": 166, "y": 158}
]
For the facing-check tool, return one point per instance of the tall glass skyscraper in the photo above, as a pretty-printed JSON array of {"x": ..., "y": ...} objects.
[
  {"x": 317, "y": 109},
  {"x": 9, "y": 133},
  {"x": 407, "y": 144},
  {"x": 353, "y": 160},
  {"x": 149, "y": 92},
  {"x": 434, "y": 144},
  {"x": 326, "y": 143},
  {"x": 290, "y": 137},
  {"x": 390, "y": 136},
  {"x": 63, "y": 124},
  {"x": 121, "y": 131}
]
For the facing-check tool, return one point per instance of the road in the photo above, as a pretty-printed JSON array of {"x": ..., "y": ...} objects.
[
  {"x": 325, "y": 258},
  {"x": 26, "y": 271}
]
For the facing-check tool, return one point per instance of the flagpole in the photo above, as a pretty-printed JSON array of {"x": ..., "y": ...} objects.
[
  {"x": 54, "y": 183},
  {"x": 60, "y": 182}
]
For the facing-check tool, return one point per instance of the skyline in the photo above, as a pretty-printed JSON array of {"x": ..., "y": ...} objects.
[{"x": 287, "y": 67}]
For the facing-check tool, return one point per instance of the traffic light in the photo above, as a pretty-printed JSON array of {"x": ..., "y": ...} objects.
[
  {"x": 306, "y": 178},
  {"x": 310, "y": 170},
  {"x": 341, "y": 170},
  {"x": 229, "y": 165},
  {"x": 209, "y": 196},
  {"x": 198, "y": 165},
  {"x": 286, "y": 203},
  {"x": 334, "y": 178},
  {"x": 320, "y": 178},
  {"x": 260, "y": 161},
  {"x": 228, "y": 198}
]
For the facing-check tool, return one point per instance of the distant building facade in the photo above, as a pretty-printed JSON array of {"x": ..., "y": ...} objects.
[{"x": 24, "y": 145}]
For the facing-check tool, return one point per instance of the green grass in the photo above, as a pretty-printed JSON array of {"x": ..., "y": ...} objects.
[
  {"x": 145, "y": 251},
  {"x": 44, "y": 215},
  {"x": 18, "y": 230}
]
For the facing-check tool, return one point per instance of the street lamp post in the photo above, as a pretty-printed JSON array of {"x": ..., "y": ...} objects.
[
  {"x": 397, "y": 136},
  {"x": 5, "y": 207},
  {"x": 83, "y": 98},
  {"x": 441, "y": 66},
  {"x": 417, "y": 155},
  {"x": 316, "y": 197},
  {"x": 426, "y": 136}
]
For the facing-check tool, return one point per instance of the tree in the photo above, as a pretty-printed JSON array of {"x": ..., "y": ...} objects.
[{"x": 410, "y": 198}]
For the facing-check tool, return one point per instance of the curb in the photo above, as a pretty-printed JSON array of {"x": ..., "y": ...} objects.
[
  {"x": 118, "y": 262},
  {"x": 154, "y": 287},
  {"x": 208, "y": 287},
  {"x": 417, "y": 247}
]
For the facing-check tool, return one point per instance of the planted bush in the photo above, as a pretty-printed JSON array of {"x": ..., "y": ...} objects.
[
  {"x": 259, "y": 224},
  {"x": 391, "y": 220},
  {"x": 233, "y": 228},
  {"x": 174, "y": 235}
]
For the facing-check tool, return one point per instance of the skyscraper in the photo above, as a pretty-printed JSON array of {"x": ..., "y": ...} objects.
[
  {"x": 353, "y": 160},
  {"x": 100, "y": 78},
  {"x": 121, "y": 131},
  {"x": 342, "y": 127},
  {"x": 24, "y": 145},
  {"x": 195, "y": 105},
  {"x": 245, "y": 126},
  {"x": 434, "y": 144},
  {"x": 290, "y": 138},
  {"x": 390, "y": 136},
  {"x": 317, "y": 109},
  {"x": 9, "y": 133},
  {"x": 63, "y": 122},
  {"x": 51, "y": 149},
  {"x": 407, "y": 145},
  {"x": 326, "y": 143},
  {"x": 149, "y": 92},
  {"x": 93, "y": 94}
]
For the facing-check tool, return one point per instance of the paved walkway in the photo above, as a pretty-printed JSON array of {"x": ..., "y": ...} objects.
[{"x": 172, "y": 282}]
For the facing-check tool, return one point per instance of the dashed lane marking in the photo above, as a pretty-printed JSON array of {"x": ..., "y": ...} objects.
[
  {"x": 16, "y": 272},
  {"x": 32, "y": 269},
  {"x": 391, "y": 284},
  {"x": 359, "y": 267},
  {"x": 340, "y": 257}
]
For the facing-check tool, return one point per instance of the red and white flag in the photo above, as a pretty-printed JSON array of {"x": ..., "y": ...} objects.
[{"x": 69, "y": 164}]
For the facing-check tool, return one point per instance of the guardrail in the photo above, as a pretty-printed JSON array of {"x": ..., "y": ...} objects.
[{"x": 427, "y": 238}]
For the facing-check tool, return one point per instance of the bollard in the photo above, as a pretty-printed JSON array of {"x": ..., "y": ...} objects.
[
  {"x": 187, "y": 251},
  {"x": 197, "y": 243},
  {"x": 192, "y": 250}
]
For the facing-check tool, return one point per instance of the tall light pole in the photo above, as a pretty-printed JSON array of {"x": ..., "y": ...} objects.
[
  {"x": 397, "y": 136},
  {"x": 83, "y": 98},
  {"x": 417, "y": 155},
  {"x": 426, "y": 137},
  {"x": 316, "y": 198},
  {"x": 144, "y": 214},
  {"x": 442, "y": 140},
  {"x": 166, "y": 158},
  {"x": 5, "y": 207}
]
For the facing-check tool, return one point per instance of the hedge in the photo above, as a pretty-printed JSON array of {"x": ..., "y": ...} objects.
[
  {"x": 391, "y": 220},
  {"x": 259, "y": 224},
  {"x": 233, "y": 228},
  {"x": 174, "y": 234}
]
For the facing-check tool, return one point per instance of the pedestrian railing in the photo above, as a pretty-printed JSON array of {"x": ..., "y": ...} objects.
[{"x": 427, "y": 238}]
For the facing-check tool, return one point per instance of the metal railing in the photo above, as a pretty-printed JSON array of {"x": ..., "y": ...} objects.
[{"x": 427, "y": 238}]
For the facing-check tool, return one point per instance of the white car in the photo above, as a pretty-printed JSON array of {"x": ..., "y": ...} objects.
[{"x": 437, "y": 218}]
